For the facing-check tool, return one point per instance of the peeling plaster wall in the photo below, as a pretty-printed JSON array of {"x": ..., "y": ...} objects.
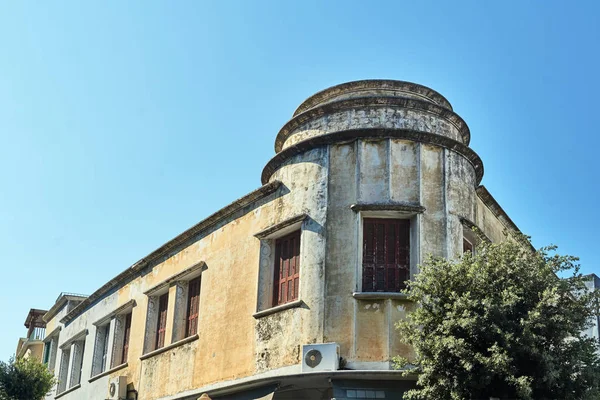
[
  {"x": 376, "y": 117},
  {"x": 387, "y": 171}
]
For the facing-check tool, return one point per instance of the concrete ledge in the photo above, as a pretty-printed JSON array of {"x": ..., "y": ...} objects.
[
  {"x": 69, "y": 390},
  {"x": 169, "y": 347},
  {"x": 403, "y": 207},
  {"x": 371, "y": 102},
  {"x": 190, "y": 272},
  {"x": 120, "y": 310},
  {"x": 350, "y": 135},
  {"x": 379, "y": 296},
  {"x": 108, "y": 372},
  {"x": 265, "y": 233},
  {"x": 273, "y": 310}
]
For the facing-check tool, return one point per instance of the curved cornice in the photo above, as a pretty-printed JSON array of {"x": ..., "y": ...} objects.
[
  {"x": 360, "y": 102},
  {"x": 349, "y": 135},
  {"x": 373, "y": 84}
]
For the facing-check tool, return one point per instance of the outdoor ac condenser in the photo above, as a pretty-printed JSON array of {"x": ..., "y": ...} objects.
[
  {"x": 320, "y": 357},
  {"x": 117, "y": 388}
]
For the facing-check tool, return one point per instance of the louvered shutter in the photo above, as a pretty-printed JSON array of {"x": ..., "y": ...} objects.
[
  {"x": 161, "y": 327},
  {"x": 287, "y": 269},
  {"x": 126, "y": 333},
  {"x": 386, "y": 254},
  {"x": 193, "y": 307}
]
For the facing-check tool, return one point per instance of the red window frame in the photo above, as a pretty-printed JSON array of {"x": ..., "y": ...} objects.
[
  {"x": 193, "y": 307},
  {"x": 161, "y": 324},
  {"x": 126, "y": 334},
  {"x": 386, "y": 254},
  {"x": 287, "y": 269}
]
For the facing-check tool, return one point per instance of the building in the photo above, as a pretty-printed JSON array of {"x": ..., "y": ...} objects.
[
  {"x": 32, "y": 345},
  {"x": 592, "y": 282},
  {"x": 292, "y": 291}
]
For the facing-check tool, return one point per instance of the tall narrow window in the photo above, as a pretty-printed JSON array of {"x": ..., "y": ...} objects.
[
  {"x": 287, "y": 269},
  {"x": 63, "y": 370},
  {"x": 161, "y": 326},
  {"x": 386, "y": 254},
  {"x": 193, "y": 307},
  {"x": 126, "y": 332}
]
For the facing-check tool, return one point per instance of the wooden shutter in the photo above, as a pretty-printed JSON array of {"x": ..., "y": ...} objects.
[
  {"x": 126, "y": 333},
  {"x": 287, "y": 269},
  {"x": 467, "y": 246},
  {"x": 386, "y": 254},
  {"x": 161, "y": 326},
  {"x": 193, "y": 307}
]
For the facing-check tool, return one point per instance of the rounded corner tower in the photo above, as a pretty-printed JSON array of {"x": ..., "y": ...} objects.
[{"x": 364, "y": 160}]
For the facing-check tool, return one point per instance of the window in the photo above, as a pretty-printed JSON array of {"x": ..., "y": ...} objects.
[
  {"x": 122, "y": 331},
  {"x": 51, "y": 348},
  {"x": 287, "y": 269},
  {"x": 386, "y": 254},
  {"x": 100, "y": 358},
  {"x": 193, "y": 307},
  {"x": 78, "y": 349},
  {"x": 467, "y": 246},
  {"x": 183, "y": 289},
  {"x": 63, "y": 370},
  {"x": 126, "y": 334},
  {"x": 161, "y": 325}
]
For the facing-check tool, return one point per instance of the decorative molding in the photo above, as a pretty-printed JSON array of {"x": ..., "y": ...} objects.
[
  {"x": 371, "y": 84},
  {"x": 123, "y": 309},
  {"x": 169, "y": 347},
  {"x": 108, "y": 372},
  {"x": 380, "y": 296},
  {"x": 173, "y": 244},
  {"x": 354, "y": 134},
  {"x": 276, "y": 309},
  {"x": 187, "y": 274},
  {"x": 277, "y": 227},
  {"x": 80, "y": 335},
  {"x": 470, "y": 225},
  {"x": 348, "y": 104},
  {"x": 69, "y": 390},
  {"x": 402, "y": 207}
]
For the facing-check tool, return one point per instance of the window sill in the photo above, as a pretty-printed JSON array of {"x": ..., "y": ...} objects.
[
  {"x": 276, "y": 309},
  {"x": 169, "y": 347},
  {"x": 69, "y": 390},
  {"x": 379, "y": 296},
  {"x": 107, "y": 372}
]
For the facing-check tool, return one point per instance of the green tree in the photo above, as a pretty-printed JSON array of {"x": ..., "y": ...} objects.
[
  {"x": 501, "y": 324},
  {"x": 24, "y": 379}
]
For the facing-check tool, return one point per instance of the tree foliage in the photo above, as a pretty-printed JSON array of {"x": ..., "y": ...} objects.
[
  {"x": 501, "y": 323},
  {"x": 24, "y": 379}
]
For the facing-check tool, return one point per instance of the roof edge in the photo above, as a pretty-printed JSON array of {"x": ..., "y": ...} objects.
[{"x": 177, "y": 241}]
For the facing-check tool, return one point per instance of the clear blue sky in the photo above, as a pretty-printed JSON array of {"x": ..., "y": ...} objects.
[{"x": 123, "y": 123}]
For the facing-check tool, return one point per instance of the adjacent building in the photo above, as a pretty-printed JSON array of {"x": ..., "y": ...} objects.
[
  {"x": 292, "y": 291},
  {"x": 32, "y": 345}
]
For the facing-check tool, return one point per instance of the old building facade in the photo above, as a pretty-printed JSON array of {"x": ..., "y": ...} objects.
[{"x": 292, "y": 291}]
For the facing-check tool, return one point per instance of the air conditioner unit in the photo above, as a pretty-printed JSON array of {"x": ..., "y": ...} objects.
[
  {"x": 117, "y": 388},
  {"x": 320, "y": 357}
]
